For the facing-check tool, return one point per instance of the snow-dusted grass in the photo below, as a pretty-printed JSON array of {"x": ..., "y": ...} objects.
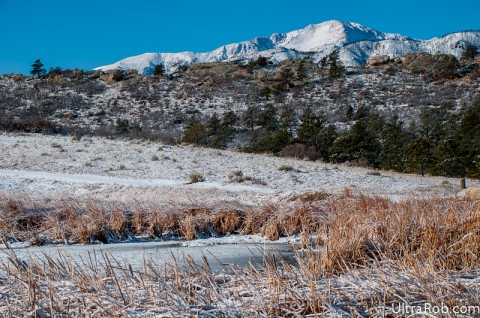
[
  {"x": 68, "y": 221},
  {"x": 122, "y": 170},
  {"x": 367, "y": 256}
]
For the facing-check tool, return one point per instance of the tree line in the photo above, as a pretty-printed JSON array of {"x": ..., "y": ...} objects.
[{"x": 442, "y": 141}]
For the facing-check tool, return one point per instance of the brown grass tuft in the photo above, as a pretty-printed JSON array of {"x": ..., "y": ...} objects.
[{"x": 226, "y": 222}]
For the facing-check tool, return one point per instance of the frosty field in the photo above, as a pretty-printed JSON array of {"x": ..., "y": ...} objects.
[{"x": 135, "y": 170}]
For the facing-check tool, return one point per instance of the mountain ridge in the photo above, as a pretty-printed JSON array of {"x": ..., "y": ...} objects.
[{"x": 355, "y": 42}]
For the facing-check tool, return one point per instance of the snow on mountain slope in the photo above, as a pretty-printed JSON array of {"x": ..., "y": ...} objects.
[
  {"x": 355, "y": 42},
  {"x": 356, "y": 54}
]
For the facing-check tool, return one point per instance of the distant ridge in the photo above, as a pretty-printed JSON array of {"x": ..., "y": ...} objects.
[{"x": 355, "y": 43}]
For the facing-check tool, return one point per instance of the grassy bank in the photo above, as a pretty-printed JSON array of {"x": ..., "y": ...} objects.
[{"x": 360, "y": 256}]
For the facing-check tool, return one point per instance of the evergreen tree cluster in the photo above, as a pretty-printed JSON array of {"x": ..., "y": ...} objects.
[
  {"x": 215, "y": 133},
  {"x": 443, "y": 141}
]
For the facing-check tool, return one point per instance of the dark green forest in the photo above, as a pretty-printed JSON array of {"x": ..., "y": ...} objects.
[{"x": 443, "y": 141}]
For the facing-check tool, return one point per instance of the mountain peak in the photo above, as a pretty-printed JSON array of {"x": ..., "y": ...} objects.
[
  {"x": 355, "y": 42},
  {"x": 328, "y": 35}
]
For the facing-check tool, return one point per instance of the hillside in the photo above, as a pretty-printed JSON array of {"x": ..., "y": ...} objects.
[{"x": 294, "y": 109}]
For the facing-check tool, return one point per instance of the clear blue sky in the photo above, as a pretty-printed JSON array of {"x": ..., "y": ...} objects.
[{"x": 89, "y": 33}]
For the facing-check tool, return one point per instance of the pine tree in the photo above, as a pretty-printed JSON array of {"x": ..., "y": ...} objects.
[
  {"x": 449, "y": 159},
  {"x": 37, "y": 69},
  {"x": 195, "y": 132},
  {"x": 469, "y": 53},
  {"x": 335, "y": 65},
  {"x": 362, "y": 142},
  {"x": 288, "y": 119},
  {"x": 261, "y": 61},
  {"x": 420, "y": 155},
  {"x": 213, "y": 125},
  {"x": 268, "y": 118},
  {"x": 158, "y": 70},
  {"x": 313, "y": 133},
  {"x": 392, "y": 155},
  {"x": 469, "y": 134},
  {"x": 285, "y": 77},
  {"x": 301, "y": 71},
  {"x": 310, "y": 128},
  {"x": 250, "y": 116}
]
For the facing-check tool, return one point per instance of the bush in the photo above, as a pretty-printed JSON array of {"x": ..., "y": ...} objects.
[
  {"x": 285, "y": 168},
  {"x": 196, "y": 177}
]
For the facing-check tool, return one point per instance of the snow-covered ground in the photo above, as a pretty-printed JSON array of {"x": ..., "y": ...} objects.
[{"x": 126, "y": 170}]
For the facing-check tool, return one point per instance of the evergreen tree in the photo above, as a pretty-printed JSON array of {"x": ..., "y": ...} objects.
[
  {"x": 350, "y": 112},
  {"x": 37, "y": 69},
  {"x": 310, "y": 128},
  {"x": 469, "y": 134},
  {"x": 158, "y": 70},
  {"x": 469, "y": 53},
  {"x": 266, "y": 91},
  {"x": 285, "y": 78},
  {"x": 335, "y": 65},
  {"x": 313, "y": 133},
  {"x": 268, "y": 118},
  {"x": 301, "y": 71},
  {"x": 261, "y": 61},
  {"x": 227, "y": 129},
  {"x": 362, "y": 142},
  {"x": 288, "y": 119},
  {"x": 449, "y": 159},
  {"x": 221, "y": 132},
  {"x": 213, "y": 125},
  {"x": 392, "y": 155},
  {"x": 229, "y": 119},
  {"x": 420, "y": 155},
  {"x": 195, "y": 132},
  {"x": 250, "y": 117}
]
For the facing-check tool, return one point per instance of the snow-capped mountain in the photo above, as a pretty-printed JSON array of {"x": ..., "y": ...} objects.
[{"x": 355, "y": 43}]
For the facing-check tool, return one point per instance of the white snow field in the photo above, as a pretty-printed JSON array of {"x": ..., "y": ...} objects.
[{"x": 126, "y": 170}]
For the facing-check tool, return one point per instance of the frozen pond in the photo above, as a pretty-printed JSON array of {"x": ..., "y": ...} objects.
[{"x": 219, "y": 257}]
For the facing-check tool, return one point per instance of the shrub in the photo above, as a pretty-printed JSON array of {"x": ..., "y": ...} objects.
[
  {"x": 195, "y": 177},
  {"x": 285, "y": 168}
]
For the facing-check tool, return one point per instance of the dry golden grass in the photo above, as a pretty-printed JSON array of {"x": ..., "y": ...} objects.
[
  {"x": 361, "y": 256},
  {"x": 345, "y": 229}
]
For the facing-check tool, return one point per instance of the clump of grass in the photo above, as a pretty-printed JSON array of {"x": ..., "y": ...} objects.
[
  {"x": 227, "y": 221},
  {"x": 446, "y": 184},
  {"x": 285, "y": 168},
  {"x": 374, "y": 173},
  {"x": 196, "y": 177},
  {"x": 310, "y": 196},
  {"x": 236, "y": 176}
]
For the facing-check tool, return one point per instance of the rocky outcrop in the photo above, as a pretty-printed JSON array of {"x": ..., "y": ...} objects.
[{"x": 378, "y": 60}]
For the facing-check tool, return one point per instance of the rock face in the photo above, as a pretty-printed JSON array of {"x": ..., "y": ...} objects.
[
  {"x": 378, "y": 60},
  {"x": 470, "y": 193}
]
